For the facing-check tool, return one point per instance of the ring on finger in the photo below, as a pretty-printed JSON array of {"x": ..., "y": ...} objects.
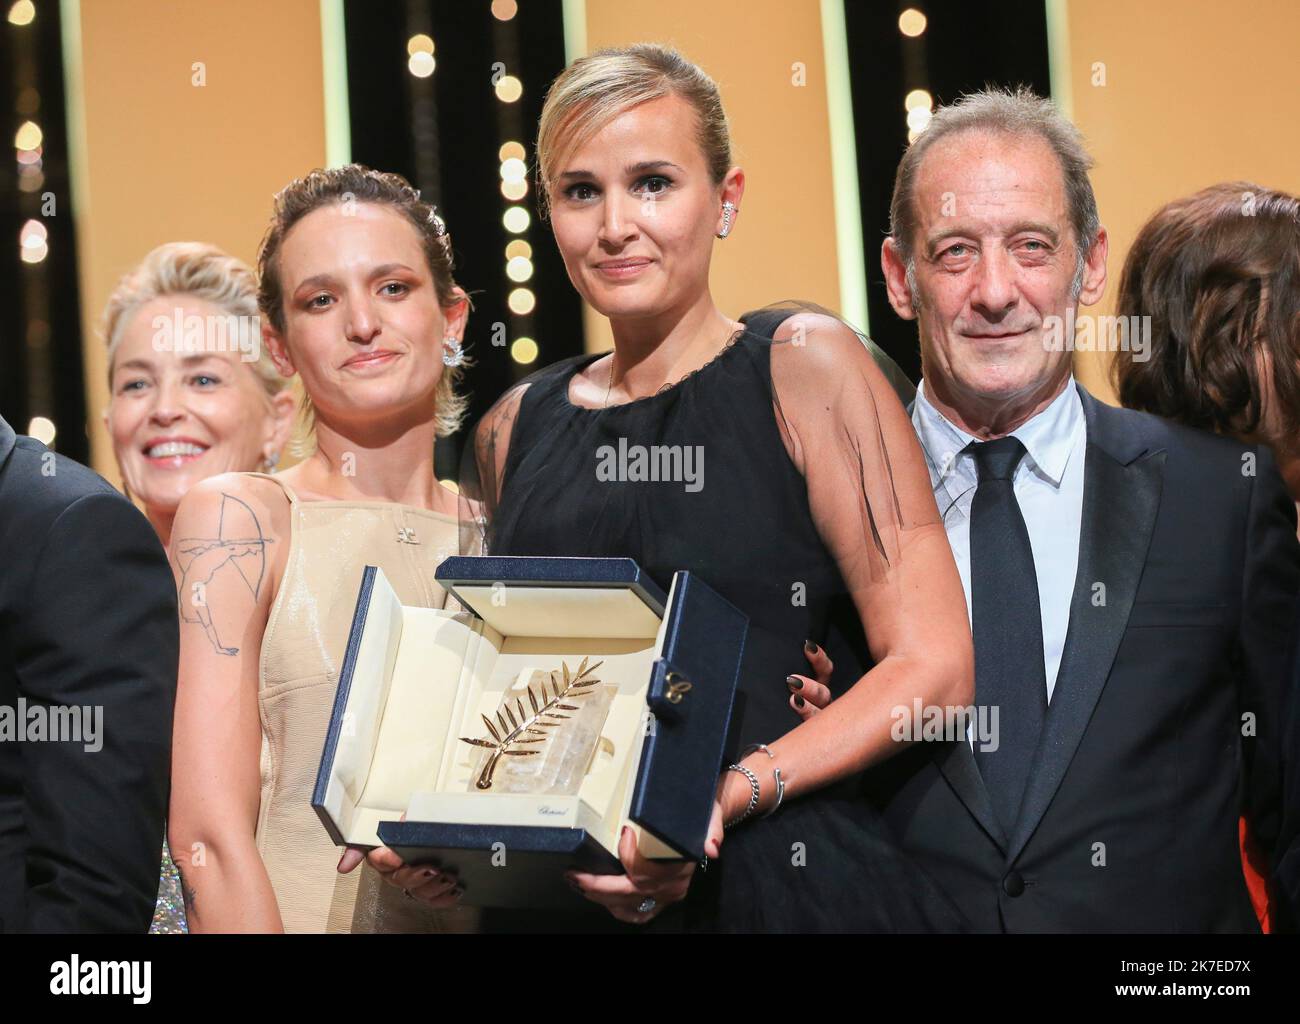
[{"x": 437, "y": 890}]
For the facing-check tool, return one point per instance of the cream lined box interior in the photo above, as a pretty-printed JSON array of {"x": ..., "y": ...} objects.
[{"x": 422, "y": 678}]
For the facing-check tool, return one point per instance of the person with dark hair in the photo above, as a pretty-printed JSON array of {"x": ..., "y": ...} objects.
[
  {"x": 357, "y": 297},
  {"x": 1215, "y": 276},
  {"x": 1218, "y": 274},
  {"x": 87, "y": 683},
  {"x": 1130, "y": 580}
]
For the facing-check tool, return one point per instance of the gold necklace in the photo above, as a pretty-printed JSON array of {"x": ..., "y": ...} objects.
[{"x": 609, "y": 382}]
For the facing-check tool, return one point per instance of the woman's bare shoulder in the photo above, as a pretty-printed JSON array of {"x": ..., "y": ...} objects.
[
  {"x": 232, "y": 507},
  {"x": 807, "y": 322},
  {"x": 817, "y": 348}
]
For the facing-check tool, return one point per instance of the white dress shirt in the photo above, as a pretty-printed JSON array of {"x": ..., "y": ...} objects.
[{"x": 1048, "y": 485}]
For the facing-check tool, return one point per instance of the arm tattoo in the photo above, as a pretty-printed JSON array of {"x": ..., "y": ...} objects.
[
  {"x": 188, "y": 892},
  {"x": 239, "y": 547}
]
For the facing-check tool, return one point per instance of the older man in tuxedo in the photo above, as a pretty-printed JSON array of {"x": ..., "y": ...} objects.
[
  {"x": 1130, "y": 582},
  {"x": 88, "y": 648}
]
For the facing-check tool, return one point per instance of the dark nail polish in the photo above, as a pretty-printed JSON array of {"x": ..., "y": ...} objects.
[
  {"x": 799, "y": 702},
  {"x": 794, "y": 681},
  {"x": 810, "y": 647}
]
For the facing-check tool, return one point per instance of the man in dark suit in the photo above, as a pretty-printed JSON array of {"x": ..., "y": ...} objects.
[
  {"x": 1284, "y": 907},
  {"x": 88, "y": 649},
  {"x": 1130, "y": 582}
]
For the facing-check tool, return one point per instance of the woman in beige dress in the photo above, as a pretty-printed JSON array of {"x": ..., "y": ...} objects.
[
  {"x": 358, "y": 298},
  {"x": 187, "y": 405}
]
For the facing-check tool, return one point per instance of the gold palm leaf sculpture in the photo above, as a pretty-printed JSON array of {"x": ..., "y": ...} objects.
[{"x": 515, "y": 727}]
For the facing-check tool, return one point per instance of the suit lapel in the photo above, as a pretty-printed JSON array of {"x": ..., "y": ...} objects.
[
  {"x": 1122, "y": 476},
  {"x": 955, "y": 759},
  {"x": 957, "y": 764}
]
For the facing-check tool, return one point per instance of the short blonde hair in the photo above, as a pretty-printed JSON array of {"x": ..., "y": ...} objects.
[
  {"x": 195, "y": 269},
  {"x": 594, "y": 90}
]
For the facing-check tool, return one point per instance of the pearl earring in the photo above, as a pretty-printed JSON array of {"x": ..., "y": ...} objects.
[
  {"x": 454, "y": 355},
  {"x": 728, "y": 209},
  {"x": 271, "y": 461}
]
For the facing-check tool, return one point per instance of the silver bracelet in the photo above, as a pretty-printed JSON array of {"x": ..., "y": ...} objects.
[
  {"x": 776, "y": 774},
  {"x": 753, "y": 796}
]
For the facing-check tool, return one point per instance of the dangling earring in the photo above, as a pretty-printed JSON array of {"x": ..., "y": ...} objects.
[
  {"x": 454, "y": 354},
  {"x": 270, "y": 462},
  {"x": 728, "y": 209}
]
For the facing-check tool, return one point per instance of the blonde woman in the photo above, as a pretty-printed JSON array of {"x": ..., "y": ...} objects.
[
  {"x": 192, "y": 393},
  {"x": 357, "y": 297},
  {"x": 801, "y": 495}
]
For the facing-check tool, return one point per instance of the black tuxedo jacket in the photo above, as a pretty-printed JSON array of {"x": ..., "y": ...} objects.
[
  {"x": 87, "y": 619},
  {"x": 1166, "y": 719},
  {"x": 1285, "y": 904}
]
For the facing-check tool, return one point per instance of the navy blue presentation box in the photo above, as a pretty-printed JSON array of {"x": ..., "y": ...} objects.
[{"x": 415, "y": 681}]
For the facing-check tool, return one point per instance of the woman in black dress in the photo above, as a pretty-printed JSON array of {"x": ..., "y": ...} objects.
[{"x": 770, "y": 457}]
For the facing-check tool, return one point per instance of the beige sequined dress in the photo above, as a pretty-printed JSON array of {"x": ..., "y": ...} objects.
[{"x": 330, "y": 543}]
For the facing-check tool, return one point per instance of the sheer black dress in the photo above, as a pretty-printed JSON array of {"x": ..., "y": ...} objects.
[{"x": 555, "y": 478}]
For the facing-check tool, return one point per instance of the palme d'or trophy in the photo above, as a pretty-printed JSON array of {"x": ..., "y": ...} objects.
[{"x": 548, "y": 749}]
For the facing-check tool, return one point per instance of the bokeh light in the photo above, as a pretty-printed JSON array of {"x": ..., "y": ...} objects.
[
  {"x": 28, "y": 136},
  {"x": 42, "y": 428},
  {"x": 419, "y": 44},
  {"x": 32, "y": 244},
  {"x": 521, "y": 301},
  {"x": 519, "y": 269},
  {"x": 918, "y": 98},
  {"x": 22, "y": 13},
  {"x": 524, "y": 351},
  {"x": 421, "y": 64},
  {"x": 509, "y": 89},
  {"x": 516, "y": 220},
  {"x": 911, "y": 22}
]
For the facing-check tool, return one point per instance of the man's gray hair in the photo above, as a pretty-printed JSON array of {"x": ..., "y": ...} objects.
[{"x": 1018, "y": 112}]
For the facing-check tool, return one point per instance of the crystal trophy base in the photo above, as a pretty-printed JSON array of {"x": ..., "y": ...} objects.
[{"x": 544, "y": 734}]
